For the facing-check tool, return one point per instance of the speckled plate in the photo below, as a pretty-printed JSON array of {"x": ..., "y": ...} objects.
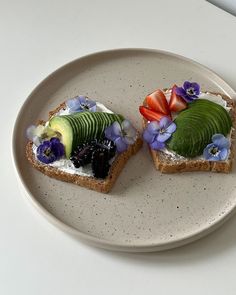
[{"x": 146, "y": 211}]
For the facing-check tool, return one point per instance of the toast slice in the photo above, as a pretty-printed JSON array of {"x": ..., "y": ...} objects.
[
  {"x": 166, "y": 163},
  {"x": 99, "y": 185}
]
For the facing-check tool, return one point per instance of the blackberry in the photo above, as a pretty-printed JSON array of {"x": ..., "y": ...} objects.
[
  {"x": 108, "y": 145},
  {"x": 100, "y": 162},
  {"x": 97, "y": 152},
  {"x": 82, "y": 155}
]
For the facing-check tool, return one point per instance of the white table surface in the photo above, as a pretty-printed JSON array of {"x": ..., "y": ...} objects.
[{"x": 36, "y": 37}]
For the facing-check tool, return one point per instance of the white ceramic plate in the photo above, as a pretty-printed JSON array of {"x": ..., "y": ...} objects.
[{"x": 146, "y": 211}]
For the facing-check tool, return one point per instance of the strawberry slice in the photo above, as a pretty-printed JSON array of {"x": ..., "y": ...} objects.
[
  {"x": 150, "y": 115},
  {"x": 157, "y": 102},
  {"x": 176, "y": 103}
]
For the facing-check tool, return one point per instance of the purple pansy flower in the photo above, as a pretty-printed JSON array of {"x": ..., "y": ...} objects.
[
  {"x": 81, "y": 104},
  {"x": 218, "y": 150},
  {"x": 50, "y": 150},
  {"x": 189, "y": 91},
  {"x": 157, "y": 133},
  {"x": 122, "y": 134}
]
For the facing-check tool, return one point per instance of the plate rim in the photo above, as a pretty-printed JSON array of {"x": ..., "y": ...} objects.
[{"x": 85, "y": 237}]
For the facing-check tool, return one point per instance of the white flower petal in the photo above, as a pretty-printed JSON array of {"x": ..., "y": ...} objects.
[{"x": 30, "y": 132}]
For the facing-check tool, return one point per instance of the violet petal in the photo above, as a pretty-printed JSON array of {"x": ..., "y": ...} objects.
[
  {"x": 171, "y": 128},
  {"x": 180, "y": 91},
  {"x": 187, "y": 85},
  {"x": 220, "y": 141},
  {"x": 73, "y": 104},
  {"x": 109, "y": 131},
  {"x": 196, "y": 87},
  {"x": 162, "y": 137},
  {"x": 129, "y": 139},
  {"x": 82, "y": 99},
  {"x": 128, "y": 129},
  {"x": 165, "y": 122},
  {"x": 148, "y": 137},
  {"x": 156, "y": 145},
  {"x": 223, "y": 154},
  {"x": 153, "y": 127},
  {"x": 121, "y": 146},
  {"x": 206, "y": 152}
]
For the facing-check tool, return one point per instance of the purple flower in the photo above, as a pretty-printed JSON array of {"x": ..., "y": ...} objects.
[
  {"x": 157, "y": 133},
  {"x": 189, "y": 91},
  {"x": 81, "y": 104},
  {"x": 122, "y": 134},
  {"x": 50, "y": 150},
  {"x": 218, "y": 150}
]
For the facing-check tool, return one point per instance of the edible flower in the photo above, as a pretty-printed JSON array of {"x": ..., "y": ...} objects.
[
  {"x": 157, "y": 133},
  {"x": 122, "y": 135},
  {"x": 38, "y": 133},
  {"x": 218, "y": 150},
  {"x": 50, "y": 150},
  {"x": 189, "y": 91},
  {"x": 81, "y": 104}
]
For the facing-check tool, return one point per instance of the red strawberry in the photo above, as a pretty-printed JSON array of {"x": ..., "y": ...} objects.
[
  {"x": 176, "y": 103},
  {"x": 157, "y": 102},
  {"x": 150, "y": 115}
]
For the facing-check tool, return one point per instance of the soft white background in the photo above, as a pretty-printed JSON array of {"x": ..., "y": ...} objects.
[{"x": 36, "y": 37}]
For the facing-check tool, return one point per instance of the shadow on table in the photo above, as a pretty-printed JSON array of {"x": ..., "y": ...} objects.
[{"x": 221, "y": 240}]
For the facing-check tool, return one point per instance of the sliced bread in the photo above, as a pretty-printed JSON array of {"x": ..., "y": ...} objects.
[
  {"x": 97, "y": 184},
  {"x": 169, "y": 163}
]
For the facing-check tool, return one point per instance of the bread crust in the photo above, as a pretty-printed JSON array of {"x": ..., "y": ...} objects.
[
  {"x": 99, "y": 185},
  {"x": 165, "y": 164}
]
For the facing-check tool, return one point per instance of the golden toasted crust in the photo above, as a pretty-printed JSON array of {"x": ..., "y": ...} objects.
[
  {"x": 166, "y": 164},
  {"x": 99, "y": 185}
]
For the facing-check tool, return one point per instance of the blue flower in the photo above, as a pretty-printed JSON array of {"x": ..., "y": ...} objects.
[
  {"x": 189, "y": 91},
  {"x": 157, "y": 133},
  {"x": 218, "y": 150},
  {"x": 50, "y": 150},
  {"x": 81, "y": 104},
  {"x": 122, "y": 134}
]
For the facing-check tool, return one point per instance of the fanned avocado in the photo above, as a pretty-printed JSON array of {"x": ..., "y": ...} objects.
[
  {"x": 196, "y": 126},
  {"x": 80, "y": 127}
]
